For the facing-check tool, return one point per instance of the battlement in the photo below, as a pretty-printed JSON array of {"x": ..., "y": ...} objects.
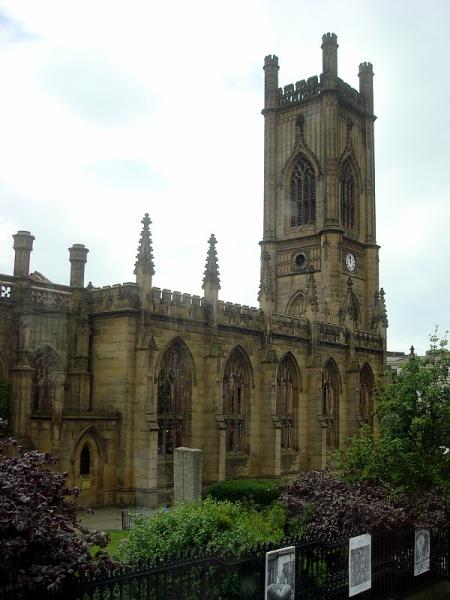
[
  {"x": 303, "y": 90},
  {"x": 239, "y": 315},
  {"x": 350, "y": 96},
  {"x": 271, "y": 60},
  {"x": 366, "y": 66},
  {"x": 329, "y": 38},
  {"x": 291, "y": 325},
  {"x": 115, "y": 297},
  {"x": 178, "y": 305},
  {"x": 368, "y": 341},
  {"x": 328, "y": 333}
]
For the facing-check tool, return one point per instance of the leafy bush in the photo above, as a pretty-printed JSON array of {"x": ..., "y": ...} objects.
[
  {"x": 40, "y": 541},
  {"x": 329, "y": 508},
  {"x": 202, "y": 527},
  {"x": 262, "y": 492}
]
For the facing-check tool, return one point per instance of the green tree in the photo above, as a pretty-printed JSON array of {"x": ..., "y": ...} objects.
[{"x": 410, "y": 449}]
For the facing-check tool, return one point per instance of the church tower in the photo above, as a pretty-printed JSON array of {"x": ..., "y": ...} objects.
[{"x": 319, "y": 197}]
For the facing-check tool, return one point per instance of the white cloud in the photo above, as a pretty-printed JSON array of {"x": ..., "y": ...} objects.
[{"x": 111, "y": 109}]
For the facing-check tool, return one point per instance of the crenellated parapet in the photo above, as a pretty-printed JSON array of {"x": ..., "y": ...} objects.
[
  {"x": 115, "y": 297},
  {"x": 291, "y": 325},
  {"x": 351, "y": 97},
  {"x": 238, "y": 315},
  {"x": 177, "y": 305},
  {"x": 303, "y": 90},
  {"x": 366, "y": 340},
  {"x": 332, "y": 334}
]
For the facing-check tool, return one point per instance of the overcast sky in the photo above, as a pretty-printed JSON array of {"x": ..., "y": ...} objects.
[{"x": 110, "y": 109}]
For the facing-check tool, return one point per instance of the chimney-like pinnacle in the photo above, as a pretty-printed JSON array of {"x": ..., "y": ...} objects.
[
  {"x": 211, "y": 273},
  {"x": 266, "y": 287},
  {"x": 144, "y": 259},
  {"x": 311, "y": 293}
]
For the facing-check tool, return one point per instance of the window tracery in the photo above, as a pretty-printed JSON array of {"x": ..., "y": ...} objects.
[
  {"x": 296, "y": 305},
  {"x": 330, "y": 403},
  {"x": 347, "y": 187},
  {"x": 303, "y": 193},
  {"x": 85, "y": 460},
  {"x": 287, "y": 403},
  {"x": 236, "y": 400},
  {"x": 174, "y": 399}
]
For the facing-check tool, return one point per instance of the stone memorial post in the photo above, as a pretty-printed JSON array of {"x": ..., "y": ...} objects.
[{"x": 187, "y": 474}]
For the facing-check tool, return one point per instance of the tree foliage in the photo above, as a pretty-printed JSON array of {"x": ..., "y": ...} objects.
[
  {"x": 41, "y": 543},
  {"x": 329, "y": 508},
  {"x": 410, "y": 451}
]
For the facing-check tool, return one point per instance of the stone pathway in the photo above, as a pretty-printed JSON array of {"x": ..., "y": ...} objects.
[
  {"x": 108, "y": 517},
  {"x": 102, "y": 518}
]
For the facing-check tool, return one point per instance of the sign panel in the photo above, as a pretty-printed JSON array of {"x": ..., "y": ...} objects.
[
  {"x": 280, "y": 574},
  {"x": 359, "y": 564},
  {"x": 421, "y": 551}
]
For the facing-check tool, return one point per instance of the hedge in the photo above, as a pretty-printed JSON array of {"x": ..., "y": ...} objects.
[{"x": 263, "y": 492}]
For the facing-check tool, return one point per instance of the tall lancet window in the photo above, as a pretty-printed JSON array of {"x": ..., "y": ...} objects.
[
  {"x": 236, "y": 401},
  {"x": 330, "y": 403},
  {"x": 287, "y": 402},
  {"x": 347, "y": 189},
  {"x": 366, "y": 386},
  {"x": 303, "y": 193},
  {"x": 174, "y": 399}
]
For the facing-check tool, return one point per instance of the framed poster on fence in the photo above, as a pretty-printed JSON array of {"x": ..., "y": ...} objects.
[
  {"x": 421, "y": 551},
  {"x": 359, "y": 564},
  {"x": 280, "y": 574}
]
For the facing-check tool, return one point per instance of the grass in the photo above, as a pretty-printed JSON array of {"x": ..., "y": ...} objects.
[{"x": 116, "y": 536}]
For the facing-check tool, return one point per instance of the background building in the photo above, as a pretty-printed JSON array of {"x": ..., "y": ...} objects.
[{"x": 110, "y": 380}]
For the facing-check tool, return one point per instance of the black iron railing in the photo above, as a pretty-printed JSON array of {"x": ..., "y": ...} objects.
[{"x": 321, "y": 572}]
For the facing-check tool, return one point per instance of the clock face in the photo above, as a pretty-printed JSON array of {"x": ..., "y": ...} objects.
[{"x": 350, "y": 262}]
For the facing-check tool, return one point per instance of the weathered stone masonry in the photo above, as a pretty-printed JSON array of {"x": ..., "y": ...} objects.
[{"x": 111, "y": 380}]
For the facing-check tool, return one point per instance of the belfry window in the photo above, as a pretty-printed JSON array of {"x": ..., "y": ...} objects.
[
  {"x": 287, "y": 403},
  {"x": 85, "y": 461},
  {"x": 236, "y": 392},
  {"x": 174, "y": 399},
  {"x": 303, "y": 193},
  {"x": 347, "y": 189}
]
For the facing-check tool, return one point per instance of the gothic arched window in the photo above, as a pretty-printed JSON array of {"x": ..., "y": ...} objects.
[
  {"x": 174, "y": 399},
  {"x": 347, "y": 189},
  {"x": 303, "y": 193},
  {"x": 330, "y": 402},
  {"x": 236, "y": 401},
  {"x": 85, "y": 461},
  {"x": 41, "y": 389},
  {"x": 296, "y": 305},
  {"x": 287, "y": 402},
  {"x": 366, "y": 386}
]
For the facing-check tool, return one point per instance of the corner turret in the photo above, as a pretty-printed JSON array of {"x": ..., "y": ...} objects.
[
  {"x": 329, "y": 59},
  {"x": 271, "y": 81},
  {"x": 366, "y": 84}
]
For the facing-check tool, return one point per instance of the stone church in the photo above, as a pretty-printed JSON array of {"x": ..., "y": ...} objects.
[{"x": 110, "y": 380}]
